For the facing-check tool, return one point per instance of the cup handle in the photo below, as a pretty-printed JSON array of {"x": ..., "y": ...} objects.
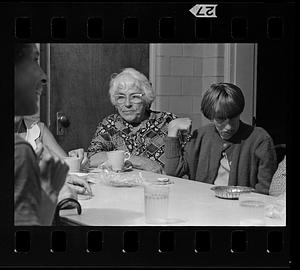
[{"x": 126, "y": 156}]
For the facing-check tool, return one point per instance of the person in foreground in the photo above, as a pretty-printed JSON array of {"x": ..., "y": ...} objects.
[
  {"x": 225, "y": 152},
  {"x": 37, "y": 181},
  {"x": 135, "y": 127},
  {"x": 31, "y": 129},
  {"x": 40, "y": 173}
]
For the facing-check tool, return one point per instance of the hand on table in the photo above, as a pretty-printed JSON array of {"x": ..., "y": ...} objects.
[
  {"x": 67, "y": 192},
  {"x": 146, "y": 164},
  {"x": 79, "y": 185},
  {"x": 74, "y": 185}
]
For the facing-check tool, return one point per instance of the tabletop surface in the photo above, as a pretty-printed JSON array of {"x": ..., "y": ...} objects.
[{"x": 191, "y": 203}]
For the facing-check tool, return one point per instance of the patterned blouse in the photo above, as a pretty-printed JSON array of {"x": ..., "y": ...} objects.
[
  {"x": 278, "y": 184},
  {"x": 147, "y": 139}
]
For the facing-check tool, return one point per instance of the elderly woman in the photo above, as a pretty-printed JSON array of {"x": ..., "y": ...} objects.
[
  {"x": 226, "y": 152},
  {"x": 135, "y": 127}
]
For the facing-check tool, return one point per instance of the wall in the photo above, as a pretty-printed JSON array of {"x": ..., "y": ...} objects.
[{"x": 181, "y": 73}]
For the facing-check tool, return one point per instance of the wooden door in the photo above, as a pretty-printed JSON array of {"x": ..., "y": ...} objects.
[{"x": 79, "y": 83}]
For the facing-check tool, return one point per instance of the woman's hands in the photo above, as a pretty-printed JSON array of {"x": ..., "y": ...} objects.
[
  {"x": 67, "y": 192},
  {"x": 39, "y": 149},
  {"x": 74, "y": 185},
  {"x": 146, "y": 164},
  {"x": 53, "y": 172},
  {"x": 179, "y": 124},
  {"x": 79, "y": 185}
]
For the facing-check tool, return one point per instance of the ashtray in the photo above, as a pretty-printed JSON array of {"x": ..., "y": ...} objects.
[{"x": 231, "y": 192}]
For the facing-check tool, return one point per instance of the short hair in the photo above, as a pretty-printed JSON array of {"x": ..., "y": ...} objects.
[
  {"x": 139, "y": 78},
  {"x": 22, "y": 50},
  {"x": 222, "y": 101}
]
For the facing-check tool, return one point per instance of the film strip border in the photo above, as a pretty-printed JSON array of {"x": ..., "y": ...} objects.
[
  {"x": 145, "y": 246},
  {"x": 131, "y": 28},
  {"x": 151, "y": 246},
  {"x": 150, "y": 22}
]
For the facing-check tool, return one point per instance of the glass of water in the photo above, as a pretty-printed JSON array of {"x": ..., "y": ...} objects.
[
  {"x": 251, "y": 210},
  {"x": 156, "y": 202}
]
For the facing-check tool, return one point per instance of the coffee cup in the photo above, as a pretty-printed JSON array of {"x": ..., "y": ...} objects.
[
  {"x": 73, "y": 163},
  {"x": 116, "y": 159}
]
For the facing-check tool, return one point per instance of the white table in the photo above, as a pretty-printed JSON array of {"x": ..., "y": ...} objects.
[{"x": 191, "y": 203}]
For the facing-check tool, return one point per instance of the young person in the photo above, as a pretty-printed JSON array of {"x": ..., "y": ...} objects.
[{"x": 225, "y": 152}]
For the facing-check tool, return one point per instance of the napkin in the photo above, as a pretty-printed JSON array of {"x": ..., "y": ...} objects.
[{"x": 276, "y": 208}]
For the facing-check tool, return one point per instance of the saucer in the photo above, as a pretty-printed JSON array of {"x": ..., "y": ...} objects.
[
  {"x": 116, "y": 183},
  {"x": 127, "y": 167},
  {"x": 79, "y": 173}
]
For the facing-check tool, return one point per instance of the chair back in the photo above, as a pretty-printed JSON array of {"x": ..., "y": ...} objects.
[{"x": 67, "y": 203}]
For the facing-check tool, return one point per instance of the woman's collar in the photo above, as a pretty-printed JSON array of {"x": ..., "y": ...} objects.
[
  {"x": 29, "y": 122},
  {"x": 150, "y": 117}
]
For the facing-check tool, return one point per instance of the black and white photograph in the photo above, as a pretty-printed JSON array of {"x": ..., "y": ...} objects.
[
  {"x": 145, "y": 134},
  {"x": 153, "y": 135}
]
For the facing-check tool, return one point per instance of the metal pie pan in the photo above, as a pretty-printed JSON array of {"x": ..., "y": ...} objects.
[{"x": 231, "y": 192}]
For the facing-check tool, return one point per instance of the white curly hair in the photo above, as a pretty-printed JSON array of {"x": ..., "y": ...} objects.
[{"x": 140, "y": 80}]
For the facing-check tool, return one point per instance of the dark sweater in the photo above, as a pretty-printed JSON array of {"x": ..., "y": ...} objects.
[{"x": 250, "y": 150}]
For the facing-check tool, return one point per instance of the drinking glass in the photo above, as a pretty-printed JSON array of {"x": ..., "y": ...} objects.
[
  {"x": 156, "y": 202},
  {"x": 251, "y": 210}
]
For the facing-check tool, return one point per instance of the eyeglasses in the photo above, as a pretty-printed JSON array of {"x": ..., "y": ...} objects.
[{"x": 134, "y": 98}]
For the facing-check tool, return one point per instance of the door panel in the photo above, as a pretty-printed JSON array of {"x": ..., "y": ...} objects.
[{"x": 79, "y": 75}]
